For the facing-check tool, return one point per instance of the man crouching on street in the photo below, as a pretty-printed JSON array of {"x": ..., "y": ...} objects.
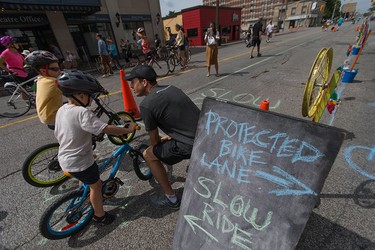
[{"x": 169, "y": 109}]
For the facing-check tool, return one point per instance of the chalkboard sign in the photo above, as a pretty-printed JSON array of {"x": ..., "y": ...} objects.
[{"x": 253, "y": 179}]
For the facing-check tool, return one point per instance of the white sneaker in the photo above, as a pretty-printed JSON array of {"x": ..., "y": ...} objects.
[
  {"x": 110, "y": 74},
  {"x": 105, "y": 75}
]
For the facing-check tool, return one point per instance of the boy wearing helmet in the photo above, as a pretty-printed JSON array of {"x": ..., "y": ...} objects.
[
  {"x": 74, "y": 127},
  {"x": 48, "y": 96}
]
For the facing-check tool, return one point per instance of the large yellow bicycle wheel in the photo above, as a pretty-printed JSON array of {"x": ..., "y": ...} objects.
[{"x": 316, "y": 82}]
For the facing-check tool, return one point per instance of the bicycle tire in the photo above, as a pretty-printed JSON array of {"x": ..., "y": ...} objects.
[
  {"x": 117, "y": 66},
  {"x": 139, "y": 164},
  {"x": 121, "y": 118},
  {"x": 188, "y": 55},
  {"x": 161, "y": 67},
  {"x": 41, "y": 168},
  {"x": 73, "y": 218},
  {"x": 315, "y": 84},
  {"x": 12, "y": 106},
  {"x": 99, "y": 67},
  {"x": 172, "y": 63}
]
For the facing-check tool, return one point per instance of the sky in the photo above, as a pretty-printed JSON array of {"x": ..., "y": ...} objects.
[
  {"x": 178, "y": 5},
  {"x": 362, "y": 5}
]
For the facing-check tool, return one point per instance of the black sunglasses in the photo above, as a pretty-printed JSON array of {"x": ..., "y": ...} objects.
[{"x": 54, "y": 68}]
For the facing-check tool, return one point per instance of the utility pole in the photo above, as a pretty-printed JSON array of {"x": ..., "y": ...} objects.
[
  {"x": 217, "y": 14},
  {"x": 334, "y": 10}
]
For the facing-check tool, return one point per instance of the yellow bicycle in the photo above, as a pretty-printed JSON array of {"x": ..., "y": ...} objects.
[{"x": 317, "y": 82}]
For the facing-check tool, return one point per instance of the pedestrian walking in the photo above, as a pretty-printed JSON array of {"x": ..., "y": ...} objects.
[
  {"x": 211, "y": 38},
  {"x": 339, "y": 22},
  {"x": 180, "y": 43},
  {"x": 257, "y": 32},
  {"x": 104, "y": 56},
  {"x": 269, "y": 30},
  {"x": 113, "y": 52},
  {"x": 169, "y": 109}
]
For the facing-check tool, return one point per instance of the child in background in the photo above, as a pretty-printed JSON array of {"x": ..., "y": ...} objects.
[{"x": 48, "y": 96}]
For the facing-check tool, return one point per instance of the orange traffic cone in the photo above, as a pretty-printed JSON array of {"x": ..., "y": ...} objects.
[
  {"x": 265, "y": 105},
  {"x": 357, "y": 28},
  {"x": 129, "y": 102}
]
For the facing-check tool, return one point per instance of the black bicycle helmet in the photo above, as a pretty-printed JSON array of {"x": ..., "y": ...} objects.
[
  {"x": 73, "y": 82},
  {"x": 40, "y": 58}
]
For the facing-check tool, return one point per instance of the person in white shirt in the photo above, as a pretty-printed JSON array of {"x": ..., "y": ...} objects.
[
  {"x": 211, "y": 38},
  {"x": 269, "y": 30}
]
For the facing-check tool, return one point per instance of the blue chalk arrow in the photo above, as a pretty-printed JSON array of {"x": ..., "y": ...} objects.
[
  {"x": 288, "y": 182},
  {"x": 372, "y": 104},
  {"x": 191, "y": 219}
]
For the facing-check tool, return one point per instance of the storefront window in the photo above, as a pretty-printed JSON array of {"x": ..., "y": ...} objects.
[{"x": 192, "y": 32}]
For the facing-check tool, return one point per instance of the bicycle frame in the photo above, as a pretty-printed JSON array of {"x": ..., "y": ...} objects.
[
  {"x": 119, "y": 154},
  {"x": 18, "y": 86}
]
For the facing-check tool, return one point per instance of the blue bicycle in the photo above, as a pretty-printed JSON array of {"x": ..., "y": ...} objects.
[{"x": 72, "y": 212}]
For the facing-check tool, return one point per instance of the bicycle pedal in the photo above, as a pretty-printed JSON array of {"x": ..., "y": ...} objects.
[{"x": 119, "y": 181}]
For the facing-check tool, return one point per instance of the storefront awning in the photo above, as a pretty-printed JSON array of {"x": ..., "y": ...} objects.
[{"x": 83, "y": 7}]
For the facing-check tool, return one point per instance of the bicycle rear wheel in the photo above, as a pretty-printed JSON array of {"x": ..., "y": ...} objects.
[
  {"x": 42, "y": 169},
  {"x": 121, "y": 118},
  {"x": 139, "y": 164},
  {"x": 161, "y": 67},
  {"x": 66, "y": 216},
  {"x": 14, "y": 103}
]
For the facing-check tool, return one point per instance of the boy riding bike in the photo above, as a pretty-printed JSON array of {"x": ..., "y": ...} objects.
[
  {"x": 48, "y": 96},
  {"x": 74, "y": 127}
]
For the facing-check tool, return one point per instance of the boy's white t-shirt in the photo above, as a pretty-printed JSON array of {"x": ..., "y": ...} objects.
[{"x": 74, "y": 126}]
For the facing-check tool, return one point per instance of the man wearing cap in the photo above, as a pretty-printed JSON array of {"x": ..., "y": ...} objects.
[{"x": 169, "y": 109}]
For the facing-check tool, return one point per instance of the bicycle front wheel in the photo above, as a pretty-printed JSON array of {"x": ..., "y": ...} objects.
[
  {"x": 139, "y": 164},
  {"x": 14, "y": 103},
  {"x": 66, "y": 216},
  {"x": 121, "y": 118},
  {"x": 161, "y": 67},
  {"x": 42, "y": 169},
  {"x": 171, "y": 63}
]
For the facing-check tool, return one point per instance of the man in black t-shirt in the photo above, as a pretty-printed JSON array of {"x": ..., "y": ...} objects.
[
  {"x": 169, "y": 109},
  {"x": 257, "y": 32}
]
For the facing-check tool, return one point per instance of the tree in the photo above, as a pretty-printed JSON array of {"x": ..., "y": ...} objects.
[
  {"x": 171, "y": 14},
  {"x": 330, "y": 6},
  {"x": 372, "y": 8}
]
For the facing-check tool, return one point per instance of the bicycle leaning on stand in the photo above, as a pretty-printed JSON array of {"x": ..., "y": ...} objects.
[
  {"x": 16, "y": 98},
  {"x": 73, "y": 211},
  {"x": 42, "y": 169}
]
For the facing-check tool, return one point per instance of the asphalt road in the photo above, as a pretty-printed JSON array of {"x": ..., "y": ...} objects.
[{"x": 345, "y": 218}]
